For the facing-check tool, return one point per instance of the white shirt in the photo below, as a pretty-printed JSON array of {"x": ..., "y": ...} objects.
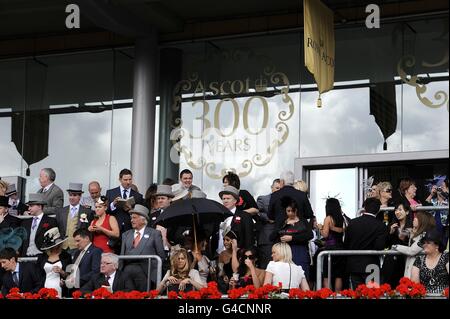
[
  {"x": 113, "y": 207},
  {"x": 283, "y": 271},
  {"x": 32, "y": 249},
  {"x": 46, "y": 188},
  {"x": 111, "y": 279},
  {"x": 141, "y": 231},
  {"x": 224, "y": 225}
]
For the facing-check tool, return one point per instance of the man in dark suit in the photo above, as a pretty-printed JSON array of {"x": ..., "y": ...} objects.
[
  {"x": 74, "y": 216},
  {"x": 267, "y": 227},
  {"x": 53, "y": 195},
  {"x": 109, "y": 276},
  {"x": 242, "y": 222},
  {"x": 6, "y": 220},
  {"x": 86, "y": 260},
  {"x": 19, "y": 275},
  {"x": 124, "y": 191},
  {"x": 141, "y": 240},
  {"x": 276, "y": 211},
  {"x": 365, "y": 232},
  {"x": 36, "y": 226}
]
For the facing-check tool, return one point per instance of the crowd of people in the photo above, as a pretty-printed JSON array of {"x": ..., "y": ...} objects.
[{"x": 271, "y": 240}]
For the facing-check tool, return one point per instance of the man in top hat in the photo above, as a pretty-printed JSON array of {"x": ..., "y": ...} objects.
[
  {"x": 164, "y": 197},
  {"x": 141, "y": 240},
  {"x": 6, "y": 220},
  {"x": 19, "y": 275},
  {"x": 17, "y": 207},
  {"x": 53, "y": 195},
  {"x": 73, "y": 216},
  {"x": 36, "y": 226},
  {"x": 241, "y": 222}
]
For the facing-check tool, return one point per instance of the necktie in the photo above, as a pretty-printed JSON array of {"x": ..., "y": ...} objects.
[
  {"x": 34, "y": 225},
  {"x": 107, "y": 280},
  {"x": 124, "y": 194},
  {"x": 137, "y": 239},
  {"x": 16, "y": 278},
  {"x": 73, "y": 212}
]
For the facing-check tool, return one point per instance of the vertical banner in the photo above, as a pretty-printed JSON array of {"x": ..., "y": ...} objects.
[{"x": 319, "y": 44}]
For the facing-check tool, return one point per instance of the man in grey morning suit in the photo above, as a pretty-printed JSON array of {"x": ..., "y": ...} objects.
[
  {"x": 53, "y": 195},
  {"x": 141, "y": 240}
]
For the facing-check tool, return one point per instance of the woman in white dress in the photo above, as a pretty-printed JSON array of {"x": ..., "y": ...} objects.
[
  {"x": 54, "y": 260},
  {"x": 283, "y": 270}
]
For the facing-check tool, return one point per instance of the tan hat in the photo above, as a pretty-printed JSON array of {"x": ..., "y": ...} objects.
[
  {"x": 179, "y": 192},
  {"x": 140, "y": 210},
  {"x": 52, "y": 238},
  {"x": 164, "y": 190},
  {"x": 230, "y": 190}
]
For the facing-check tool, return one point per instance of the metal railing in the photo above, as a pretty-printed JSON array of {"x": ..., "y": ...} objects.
[
  {"x": 417, "y": 208},
  {"x": 344, "y": 253},
  {"x": 128, "y": 257}
]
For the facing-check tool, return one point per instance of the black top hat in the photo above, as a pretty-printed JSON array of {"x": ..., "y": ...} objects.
[{"x": 4, "y": 201}]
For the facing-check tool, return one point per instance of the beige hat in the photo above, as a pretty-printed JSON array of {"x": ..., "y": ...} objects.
[
  {"x": 179, "y": 192},
  {"x": 36, "y": 199},
  {"x": 164, "y": 190},
  {"x": 230, "y": 190},
  {"x": 140, "y": 210}
]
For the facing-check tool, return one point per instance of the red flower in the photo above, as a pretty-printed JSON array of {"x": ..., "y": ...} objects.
[
  {"x": 445, "y": 292},
  {"x": 172, "y": 295},
  {"x": 77, "y": 294},
  {"x": 45, "y": 225},
  {"x": 48, "y": 293}
]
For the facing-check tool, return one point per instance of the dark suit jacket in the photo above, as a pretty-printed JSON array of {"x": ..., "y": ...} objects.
[
  {"x": 278, "y": 213},
  {"x": 151, "y": 244},
  {"x": 242, "y": 224},
  {"x": 54, "y": 198},
  {"x": 90, "y": 263},
  {"x": 45, "y": 224},
  {"x": 122, "y": 282},
  {"x": 123, "y": 217},
  {"x": 63, "y": 213},
  {"x": 29, "y": 279},
  {"x": 364, "y": 233},
  {"x": 10, "y": 221}
]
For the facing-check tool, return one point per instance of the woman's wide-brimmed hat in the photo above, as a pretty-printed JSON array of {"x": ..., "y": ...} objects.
[{"x": 52, "y": 238}]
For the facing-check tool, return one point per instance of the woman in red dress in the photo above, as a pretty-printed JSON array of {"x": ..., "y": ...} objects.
[{"x": 104, "y": 227}]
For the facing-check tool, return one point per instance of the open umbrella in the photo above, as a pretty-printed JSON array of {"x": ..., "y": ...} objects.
[{"x": 201, "y": 215}]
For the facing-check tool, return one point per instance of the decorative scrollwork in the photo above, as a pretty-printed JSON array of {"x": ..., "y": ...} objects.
[{"x": 441, "y": 97}]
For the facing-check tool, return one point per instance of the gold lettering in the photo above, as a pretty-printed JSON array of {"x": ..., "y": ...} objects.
[
  {"x": 235, "y": 116},
  {"x": 214, "y": 87},
  {"x": 265, "y": 114},
  {"x": 241, "y": 87},
  {"x": 222, "y": 90},
  {"x": 199, "y": 88}
]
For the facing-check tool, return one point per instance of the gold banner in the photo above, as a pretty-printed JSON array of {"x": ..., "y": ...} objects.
[{"x": 319, "y": 44}]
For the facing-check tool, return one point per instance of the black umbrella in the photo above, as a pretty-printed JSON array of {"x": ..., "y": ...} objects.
[{"x": 200, "y": 214}]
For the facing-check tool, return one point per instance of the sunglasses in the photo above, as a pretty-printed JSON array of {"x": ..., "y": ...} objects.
[
  {"x": 251, "y": 257},
  {"x": 388, "y": 190}
]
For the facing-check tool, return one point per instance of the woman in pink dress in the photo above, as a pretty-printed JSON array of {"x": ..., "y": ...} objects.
[{"x": 104, "y": 227}]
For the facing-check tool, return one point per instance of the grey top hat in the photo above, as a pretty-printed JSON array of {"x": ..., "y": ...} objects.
[
  {"x": 179, "y": 192},
  {"x": 140, "y": 210},
  {"x": 52, "y": 238},
  {"x": 75, "y": 188},
  {"x": 164, "y": 190},
  {"x": 11, "y": 190},
  {"x": 197, "y": 194},
  {"x": 230, "y": 190},
  {"x": 36, "y": 199}
]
